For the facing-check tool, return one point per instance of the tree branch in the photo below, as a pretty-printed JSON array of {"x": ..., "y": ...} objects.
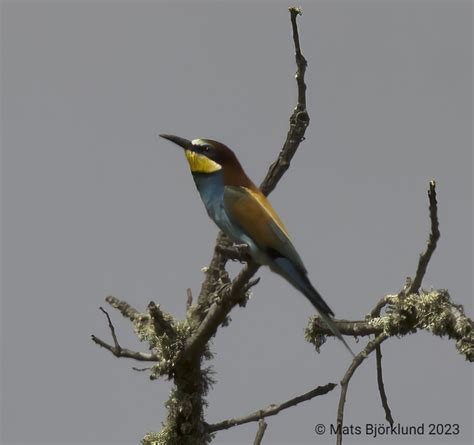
[
  {"x": 375, "y": 312},
  {"x": 218, "y": 312},
  {"x": 300, "y": 60},
  {"x": 299, "y": 120},
  {"x": 117, "y": 350},
  {"x": 262, "y": 426},
  {"x": 355, "y": 328},
  {"x": 381, "y": 386},
  {"x": 271, "y": 410},
  {"x": 432, "y": 241},
  {"x": 347, "y": 377}
]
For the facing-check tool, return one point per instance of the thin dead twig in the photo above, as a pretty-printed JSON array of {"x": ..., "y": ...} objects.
[
  {"x": 347, "y": 377},
  {"x": 299, "y": 120},
  {"x": 271, "y": 410},
  {"x": 262, "y": 426},
  {"x": 381, "y": 386},
  {"x": 117, "y": 350},
  {"x": 425, "y": 257}
]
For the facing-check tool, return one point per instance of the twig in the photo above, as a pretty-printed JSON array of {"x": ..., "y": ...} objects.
[
  {"x": 127, "y": 353},
  {"x": 141, "y": 369},
  {"x": 251, "y": 283},
  {"x": 375, "y": 312},
  {"x": 189, "y": 300},
  {"x": 300, "y": 60},
  {"x": 381, "y": 386},
  {"x": 347, "y": 377},
  {"x": 111, "y": 327},
  {"x": 117, "y": 350},
  {"x": 299, "y": 120},
  {"x": 271, "y": 410},
  {"x": 432, "y": 241},
  {"x": 262, "y": 426}
]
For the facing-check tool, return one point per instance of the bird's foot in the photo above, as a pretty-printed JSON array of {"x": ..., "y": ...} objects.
[{"x": 243, "y": 252}]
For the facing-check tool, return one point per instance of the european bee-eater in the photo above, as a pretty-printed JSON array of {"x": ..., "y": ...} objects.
[{"x": 245, "y": 215}]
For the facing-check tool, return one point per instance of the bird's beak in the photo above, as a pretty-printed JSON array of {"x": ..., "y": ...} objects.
[{"x": 187, "y": 145}]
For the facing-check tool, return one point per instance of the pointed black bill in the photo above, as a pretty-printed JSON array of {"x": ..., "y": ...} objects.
[{"x": 187, "y": 145}]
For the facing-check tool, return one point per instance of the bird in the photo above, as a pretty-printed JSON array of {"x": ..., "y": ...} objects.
[{"x": 244, "y": 214}]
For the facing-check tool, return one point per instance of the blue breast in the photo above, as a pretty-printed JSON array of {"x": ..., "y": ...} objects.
[{"x": 211, "y": 189}]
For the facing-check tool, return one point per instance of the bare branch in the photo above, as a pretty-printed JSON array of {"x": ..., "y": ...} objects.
[
  {"x": 432, "y": 241},
  {"x": 111, "y": 327},
  {"x": 375, "y": 312},
  {"x": 117, "y": 350},
  {"x": 127, "y": 353},
  {"x": 300, "y": 60},
  {"x": 381, "y": 386},
  {"x": 140, "y": 369},
  {"x": 347, "y": 377},
  {"x": 262, "y": 426},
  {"x": 299, "y": 120},
  {"x": 251, "y": 283},
  {"x": 271, "y": 410}
]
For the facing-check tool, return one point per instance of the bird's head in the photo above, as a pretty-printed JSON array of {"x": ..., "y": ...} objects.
[{"x": 206, "y": 156}]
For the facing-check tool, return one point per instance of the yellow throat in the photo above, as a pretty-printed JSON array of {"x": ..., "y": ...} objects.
[{"x": 200, "y": 163}]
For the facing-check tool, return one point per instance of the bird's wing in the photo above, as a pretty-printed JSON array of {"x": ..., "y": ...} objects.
[{"x": 251, "y": 210}]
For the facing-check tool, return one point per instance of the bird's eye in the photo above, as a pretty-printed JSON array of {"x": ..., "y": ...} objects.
[{"x": 205, "y": 148}]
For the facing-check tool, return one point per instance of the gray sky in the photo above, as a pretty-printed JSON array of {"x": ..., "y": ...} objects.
[{"x": 93, "y": 203}]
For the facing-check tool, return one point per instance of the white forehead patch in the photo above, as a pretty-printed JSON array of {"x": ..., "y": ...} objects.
[{"x": 199, "y": 142}]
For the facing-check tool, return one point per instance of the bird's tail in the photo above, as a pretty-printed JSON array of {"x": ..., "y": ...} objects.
[
  {"x": 332, "y": 326},
  {"x": 324, "y": 311},
  {"x": 300, "y": 281}
]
